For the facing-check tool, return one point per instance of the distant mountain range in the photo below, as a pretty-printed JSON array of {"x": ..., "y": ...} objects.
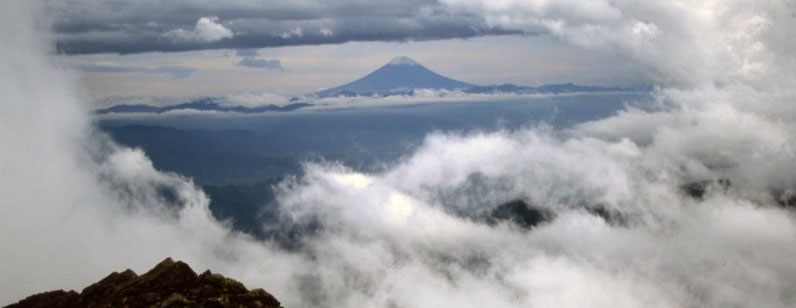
[
  {"x": 401, "y": 76},
  {"x": 546, "y": 89},
  {"x": 203, "y": 104}
]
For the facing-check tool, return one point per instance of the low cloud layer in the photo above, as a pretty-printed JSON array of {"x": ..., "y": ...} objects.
[{"x": 624, "y": 229}]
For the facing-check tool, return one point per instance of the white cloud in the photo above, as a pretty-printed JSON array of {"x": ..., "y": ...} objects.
[
  {"x": 207, "y": 29},
  {"x": 256, "y": 99},
  {"x": 678, "y": 43},
  {"x": 75, "y": 206},
  {"x": 724, "y": 114},
  {"x": 423, "y": 96},
  {"x": 295, "y": 32}
]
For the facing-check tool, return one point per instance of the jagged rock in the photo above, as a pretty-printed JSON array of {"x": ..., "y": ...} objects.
[
  {"x": 59, "y": 298},
  {"x": 169, "y": 284}
]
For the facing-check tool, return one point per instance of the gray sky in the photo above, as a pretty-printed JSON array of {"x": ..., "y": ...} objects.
[
  {"x": 184, "y": 49},
  {"x": 126, "y": 26}
]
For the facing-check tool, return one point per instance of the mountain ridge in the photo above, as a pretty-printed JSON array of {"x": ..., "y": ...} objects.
[
  {"x": 202, "y": 104},
  {"x": 169, "y": 284}
]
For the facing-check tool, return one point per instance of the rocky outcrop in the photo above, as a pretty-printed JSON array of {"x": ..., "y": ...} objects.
[{"x": 170, "y": 284}]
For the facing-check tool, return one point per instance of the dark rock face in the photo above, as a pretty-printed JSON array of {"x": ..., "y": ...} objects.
[
  {"x": 519, "y": 212},
  {"x": 699, "y": 189},
  {"x": 169, "y": 284}
]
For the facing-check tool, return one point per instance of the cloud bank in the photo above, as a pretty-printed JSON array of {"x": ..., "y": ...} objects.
[
  {"x": 694, "y": 43},
  {"x": 91, "y": 26},
  {"x": 624, "y": 230}
]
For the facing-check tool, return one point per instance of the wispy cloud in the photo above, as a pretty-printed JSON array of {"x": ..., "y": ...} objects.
[
  {"x": 172, "y": 71},
  {"x": 250, "y": 58},
  {"x": 261, "y": 63}
]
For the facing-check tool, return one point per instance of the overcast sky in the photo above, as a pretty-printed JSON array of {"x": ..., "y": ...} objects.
[
  {"x": 90, "y": 26},
  {"x": 184, "y": 49},
  {"x": 624, "y": 232}
]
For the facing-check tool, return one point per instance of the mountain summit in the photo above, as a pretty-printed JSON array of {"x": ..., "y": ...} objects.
[
  {"x": 170, "y": 284},
  {"x": 399, "y": 76},
  {"x": 401, "y": 60}
]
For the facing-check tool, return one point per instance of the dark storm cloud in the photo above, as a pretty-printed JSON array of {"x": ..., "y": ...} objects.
[{"x": 91, "y": 26}]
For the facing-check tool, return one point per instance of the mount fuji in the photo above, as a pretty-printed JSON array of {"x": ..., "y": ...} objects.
[{"x": 400, "y": 76}]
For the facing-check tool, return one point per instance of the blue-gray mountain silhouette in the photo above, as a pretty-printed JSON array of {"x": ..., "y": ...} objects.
[
  {"x": 202, "y": 104},
  {"x": 401, "y": 76}
]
